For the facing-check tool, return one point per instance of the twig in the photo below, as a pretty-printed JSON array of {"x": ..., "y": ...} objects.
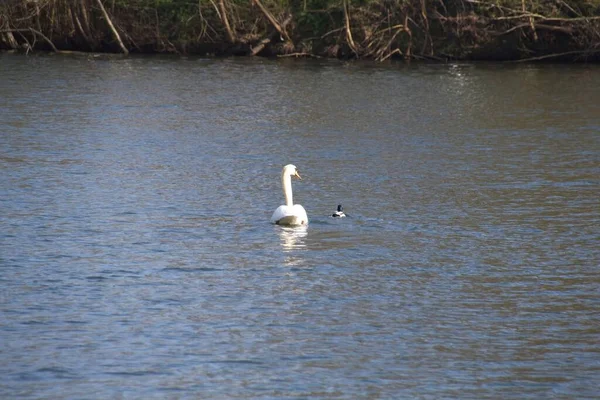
[
  {"x": 570, "y": 8},
  {"x": 391, "y": 53},
  {"x": 520, "y": 16},
  {"x": 331, "y": 32},
  {"x": 572, "y": 19},
  {"x": 562, "y": 29},
  {"x": 379, "y": 32},
  {"x": 299, "y": 55},
  {"x": 567, "y": 53}
]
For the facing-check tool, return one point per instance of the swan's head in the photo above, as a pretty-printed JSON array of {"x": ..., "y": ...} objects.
[{"x": 291, "y": 170}]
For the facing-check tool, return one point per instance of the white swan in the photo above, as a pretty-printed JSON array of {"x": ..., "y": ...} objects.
[{"x": 290, "y": 213}]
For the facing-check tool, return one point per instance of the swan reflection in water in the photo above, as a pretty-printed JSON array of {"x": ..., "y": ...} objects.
[{"x": 293, "y": 238}]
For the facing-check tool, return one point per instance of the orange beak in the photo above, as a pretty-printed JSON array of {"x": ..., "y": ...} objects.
[{"x": 298, "y": 175}]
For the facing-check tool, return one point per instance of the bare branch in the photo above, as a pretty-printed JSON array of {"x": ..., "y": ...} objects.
[
  {"x": 331, "y": 32},
  {"x": 566, "y": 30},
  {"x": 567, "y": 53},
  {"x": 348, "y": 30},
  {"x": 35, "y": 32},
  {"x": 272, "y": 20},
  {"x": 309, "y": 55},
  {"x": 230, "y": 34},
  {"x": 112, "y": 27}
]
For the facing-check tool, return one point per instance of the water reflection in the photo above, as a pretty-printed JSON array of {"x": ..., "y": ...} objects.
[{"x": 293, "y": 238}]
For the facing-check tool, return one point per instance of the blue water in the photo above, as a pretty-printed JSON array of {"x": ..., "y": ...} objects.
[{"x": 138, "y": 260}]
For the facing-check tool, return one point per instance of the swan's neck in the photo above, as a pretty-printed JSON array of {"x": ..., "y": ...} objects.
[{"x": 286, "y": 181}]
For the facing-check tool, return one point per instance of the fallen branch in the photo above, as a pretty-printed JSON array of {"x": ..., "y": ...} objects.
[
  {"x": 576, "y": 19},
  {"x": 112, "y": 27},
  {"x": 216, "y": 9},
  {"x": 331, "y": 32},
  {"x": 35, "y": 32},
  {"x": 223, "y": 13},
  {"x": 261, "y": 45},
  {"x": 562, "y": 29},
  {"x": 391, "y": 53},
  {"x": 348, "y": 31},
  {"x": 531, "y": 23},
  {"x": 519, "y": 16},
  {"x": 408, "y": 51},
  {"x": 380, "y": 57},
  {"x": 10, "y": 38},
  {"x": 299, "y": 55},
  {"x": 534, "y": 15},
  {"x": 82, "y": 31},
  {"x": 272, "y": 20},
  {"x": 86, "y": 21},
  {"x": 567, "y": 53},
  {"x": 428, "y": 40},
  {"x": 27, "y": 45},
  {"x": 384, "y": 30}
]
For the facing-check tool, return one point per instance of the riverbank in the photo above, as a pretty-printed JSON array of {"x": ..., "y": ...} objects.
[{"x": 515, "y": 30}]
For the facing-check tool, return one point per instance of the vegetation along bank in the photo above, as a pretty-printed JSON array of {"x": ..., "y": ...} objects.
[{"x": 518, "y": 30}]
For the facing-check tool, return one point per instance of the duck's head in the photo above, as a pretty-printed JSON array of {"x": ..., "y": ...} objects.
[{"x": 340, "y": 208}]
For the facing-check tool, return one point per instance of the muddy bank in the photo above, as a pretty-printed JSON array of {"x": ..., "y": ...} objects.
[{"x": 515, "y": 30}]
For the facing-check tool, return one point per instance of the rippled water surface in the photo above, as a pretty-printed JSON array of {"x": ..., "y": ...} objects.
[{"x": 137, "y": 259}]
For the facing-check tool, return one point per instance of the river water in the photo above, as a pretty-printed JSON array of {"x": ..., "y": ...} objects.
[{"x": 137, "y": 258}]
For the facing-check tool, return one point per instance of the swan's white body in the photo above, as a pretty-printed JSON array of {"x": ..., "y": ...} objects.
[{"x": 290, "y": 213}]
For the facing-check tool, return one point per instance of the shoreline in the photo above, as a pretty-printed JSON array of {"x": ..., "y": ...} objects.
[
  {"x": 377, "y": 30},
  {"x": 563, "y": 58}
]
